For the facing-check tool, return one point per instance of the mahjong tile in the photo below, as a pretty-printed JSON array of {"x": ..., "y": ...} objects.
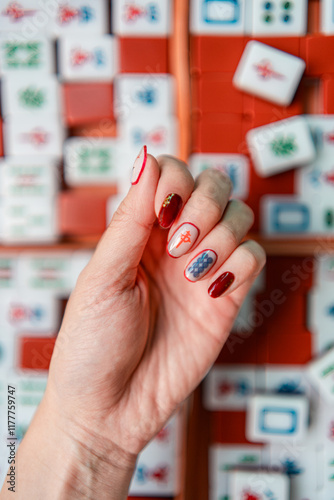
[
  {"x": 33, "y": 135},
  {"x": 281, "y": 145},
  {"x": 279, "y": 17},
  {"x": 220, "y": 17},
  {"x": 144, "y": 93},
  {"x": 236, "y": 166},
  {"x": 33, "y": 55},
  {"x": 75, "y": 17},
  {"x": 30, "y": 95},
  {"x": 88, "y": 58},
  {"x": 142, "y": 18},
  {"x": 269, "y": 73},
  {"x": 327, "y": 16},
  {"x": 91, "y": 161},
  {"x": 26, "y": 17}
]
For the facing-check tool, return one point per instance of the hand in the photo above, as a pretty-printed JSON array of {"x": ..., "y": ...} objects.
[{"x": 137, "y": 336}]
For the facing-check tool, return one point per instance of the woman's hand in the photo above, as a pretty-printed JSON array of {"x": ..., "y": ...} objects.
[{"x": 141, "y": 330}]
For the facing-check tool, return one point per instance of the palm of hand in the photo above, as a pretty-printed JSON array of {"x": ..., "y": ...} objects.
[{"x": 162, "y": 336}]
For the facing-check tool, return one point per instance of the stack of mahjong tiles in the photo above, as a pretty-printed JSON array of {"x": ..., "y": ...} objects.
[
  {"x": 268, "y": 401},
  {"x": 84, "y": 84},
  {"x": 262, "y": 105}
]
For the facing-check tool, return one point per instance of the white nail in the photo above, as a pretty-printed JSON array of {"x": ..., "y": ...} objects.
[
  {"x": 139, "y": 165},
  {"x": 182, "y": 240}
]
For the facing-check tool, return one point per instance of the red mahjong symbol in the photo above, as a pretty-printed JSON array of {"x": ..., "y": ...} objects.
[
  {"x": 329, "y": 177},
  {"x": 184, "y": 238},
  {"x": 331, "y": 430},
  {"x": 156, "y": 136},
  {"x": 163, "y": 435},
  {"x": 79, "y": 57},
  {"x": 224, "y": 387},
  {"x": 17, "y": 313},
  {"x": 132, "y": 12},
  {"x": 329, "y": 137},
  {"x": 66, "y": 14},
  {"x": 265, "y": 70},
  {"x": 248, "y": 495},
  {"x": 16, "y": 11},
  {"x": 38, "y": 137},
  {"x": 160, "y": 474}
]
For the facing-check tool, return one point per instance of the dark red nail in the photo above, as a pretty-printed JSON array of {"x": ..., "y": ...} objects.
[
  {"x": 218, "y": 287},
  {"x": 169, "y": 210}
]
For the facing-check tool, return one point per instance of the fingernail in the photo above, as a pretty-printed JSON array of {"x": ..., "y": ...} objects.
[
  {"x": 182, "y": 240},
  {"x": 218, "y": 287},
  {"x": 169, "y": 210},
  {"x": 139, "y": 165},
  {"x": 200, "y": 265}
]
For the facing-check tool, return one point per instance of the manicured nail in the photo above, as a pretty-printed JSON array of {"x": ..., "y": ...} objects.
[
  {"x": 169, "y": 210},
  {"x": 218, "y": 287},
  {"x": 182, "y": 240},
  {"x": 139, "y": 165},
  {"x": 200, "y": 265}
]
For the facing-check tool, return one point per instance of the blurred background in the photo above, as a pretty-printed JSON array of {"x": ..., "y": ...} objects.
[{"x": 84, "y": 84}]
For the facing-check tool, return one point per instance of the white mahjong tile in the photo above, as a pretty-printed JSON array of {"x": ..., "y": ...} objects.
[
  {"x": 322, "y": 341},
  {"x": 91, "y": 161},
  {"x": 29, "y": 176},
  {"x": 281, "y": 146},
  {"x": 33, "y": 135},
  {"x": 26, "y": 17},
  {"x": 158, "y": 466},
  {"x": 46, "y": 271},
  {"x": 223, "y": 458},
  {"x": 269, "y": 73},
  {"x": 35, "y": 313},
  {"x": 29, "y": 221},
  {"x": 321, "y": 374},
  {"x": 320, "y": 314},
  {"x": 228, "y": 387},
  {"x": 327, "y": 16},
  {"x": 75, "y": 17},
  {"x": 142, "y": 17},
  {"x": 316, "y": 181},
  {"x": 273, "y": 418},
  {"x": 302, "y": 463},
  {"x": 88, "y": 58},
  {"x": 285, "y": 216},
  {"x": 144, "y": 93},
  {"x": 279, "y": 17},
  {"x": 8, "y": 272},
  {"x": 30, "y": 95},
  {"x": 236, "y": 166},
  {"x": 257, "y": 485},
  {"x": 28, "y": 54},
  {"x": 286, "y": 379},
  {"x": 159, "y": 133},
  {"x": 323, "y": 275},
  {"x": 218, "y": 17}
]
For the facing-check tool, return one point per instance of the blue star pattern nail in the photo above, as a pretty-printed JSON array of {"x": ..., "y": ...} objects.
[{"x": 200, "y": 265}]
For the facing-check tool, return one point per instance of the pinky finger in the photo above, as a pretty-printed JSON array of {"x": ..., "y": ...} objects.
[{"x": 242, "y": 266}]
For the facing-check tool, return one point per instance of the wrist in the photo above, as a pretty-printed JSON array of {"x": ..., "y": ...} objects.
[{"x": 60, "y": 459}]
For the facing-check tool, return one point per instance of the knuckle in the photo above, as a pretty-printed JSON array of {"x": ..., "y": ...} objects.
[
  {"x": 209, "y": 204},
  {"x": 230, "y": 236},
  {"x": 254, "y": 256},
  {"x": 216, "y": 176}
]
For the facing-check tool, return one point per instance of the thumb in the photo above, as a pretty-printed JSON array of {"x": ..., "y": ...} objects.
[{"x": 122, "y": 244}]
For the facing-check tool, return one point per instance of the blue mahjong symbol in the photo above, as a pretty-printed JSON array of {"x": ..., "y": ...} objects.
[
  {"x": 197, "y": 268},
  {"x": 152, "y": 12},
  {"x": 86, "y": 14},
  {"x": 141, "y": 474},
  {"x": 291, "y": 467},
  {"x": 232, "y": 173},
  {"x": 221, "y": 11},
  {"x": 147, "y": 96},
  {"x": 330, "y": 310},
  {"x": 99, "y": 57},
  {"x": 138, "y": 136}
]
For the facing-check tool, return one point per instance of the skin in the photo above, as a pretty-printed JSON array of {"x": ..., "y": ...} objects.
[{"x": 136, "y": 338}]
